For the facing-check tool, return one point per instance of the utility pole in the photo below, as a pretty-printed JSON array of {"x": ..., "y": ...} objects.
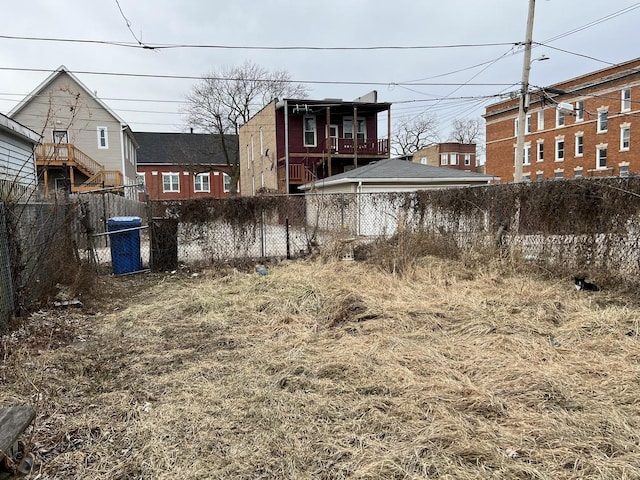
[{"x": 524, "y": 94}]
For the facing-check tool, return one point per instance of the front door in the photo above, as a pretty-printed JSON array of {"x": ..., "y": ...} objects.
[{"x": 333, "y": 136}]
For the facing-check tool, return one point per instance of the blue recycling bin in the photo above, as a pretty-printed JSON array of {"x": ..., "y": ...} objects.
[{"x": 125, "y": 246}]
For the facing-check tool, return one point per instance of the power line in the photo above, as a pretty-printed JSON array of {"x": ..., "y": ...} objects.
[
  {"x": 165, "y": 46},
  {"x": 192, "y": 77}
]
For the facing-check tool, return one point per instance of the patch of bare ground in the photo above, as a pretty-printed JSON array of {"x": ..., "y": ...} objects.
[{"x": 333, "y": 370}]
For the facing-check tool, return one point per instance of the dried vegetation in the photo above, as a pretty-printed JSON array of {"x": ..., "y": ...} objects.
[{"x": 456, "y": 369}]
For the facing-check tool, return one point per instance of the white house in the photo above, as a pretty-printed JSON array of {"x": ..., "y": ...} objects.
[{"x": 18, "y": 174}]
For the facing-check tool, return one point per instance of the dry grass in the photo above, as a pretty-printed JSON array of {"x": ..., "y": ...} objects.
[{"x": 337, "y": 370}]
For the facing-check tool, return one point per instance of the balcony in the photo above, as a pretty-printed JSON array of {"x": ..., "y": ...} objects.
[
  {"x": 56, "y": 156},
  {"x": 347, "y": 146}
]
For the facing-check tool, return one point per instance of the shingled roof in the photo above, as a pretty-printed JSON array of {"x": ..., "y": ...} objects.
[
  {"x": 394, "y": 170},
  {"x": 183, "y": 148}
]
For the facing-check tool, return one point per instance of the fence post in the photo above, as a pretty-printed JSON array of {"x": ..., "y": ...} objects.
[
  {"x": 262, "y": 236},
  {"x": 286, "y": 223}
]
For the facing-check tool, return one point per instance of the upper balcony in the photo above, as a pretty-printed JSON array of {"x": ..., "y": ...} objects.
[{"x": 85, "y": 174}]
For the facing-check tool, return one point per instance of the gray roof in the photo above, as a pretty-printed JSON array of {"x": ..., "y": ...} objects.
[
  {"x": 393, "y": 170},
  {"x": 184, "y": 148}
]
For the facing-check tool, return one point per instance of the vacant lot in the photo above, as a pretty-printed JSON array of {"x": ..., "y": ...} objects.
[{"x": 333, "y": 370}]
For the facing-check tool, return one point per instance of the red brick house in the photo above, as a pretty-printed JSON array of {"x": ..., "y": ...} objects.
[
  {"x": 581, "y": 127},
  {"x": 180, "y": 166},
  {"x": 293, "y": 142},
  {"x": 461, "y": 156}
]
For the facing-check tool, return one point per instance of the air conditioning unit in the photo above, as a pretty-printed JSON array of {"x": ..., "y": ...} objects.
[{"x": 565, "y": 107}]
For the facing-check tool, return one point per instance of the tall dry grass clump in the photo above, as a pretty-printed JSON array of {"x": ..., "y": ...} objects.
[{"x": 334, "y": 369}]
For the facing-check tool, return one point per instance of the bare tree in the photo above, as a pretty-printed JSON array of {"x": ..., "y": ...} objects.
[
  {"x": 223, "y": 101},
  {"x": 414, "y": 134},
  {"x": 467, "y": 130}
]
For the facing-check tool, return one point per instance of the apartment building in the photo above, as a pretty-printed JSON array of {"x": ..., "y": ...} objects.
[{"x": 582, "y": 127}]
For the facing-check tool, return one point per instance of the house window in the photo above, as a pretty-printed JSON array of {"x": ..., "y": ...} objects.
[
  {"x": 625, "y": 137},
  {"x": 103, "y": 137},
  {"x": 60, "y": 136},
  {"x": 559, "y": 118},
  {"x": 526, "y": 177},
  {"x": 423, "y": 160},
  {"x": 467, "y": 159},
  {"x": 527, "y": 154},
  {"x": 226, "y": 183},
  {"x": 201, "y": 182},
  {"x": 171, "y": 182},
  {"x": 528, "y": 124},
  {"x": 347, "y": 128},
  {"x": 601, "y": 157},
  {"x": 603, "y": 121},
  {"x": 626, "y": 100},
  {"x": 453, "y": 159},
  {"x": 310, "y": 133},
  {"x": 624, "y": 169},
  {"x": 444, "y": 159},
  {"x": 559, "y": 149},
  {"x": 541, "y": 120},
  {"x": 515, "y": 127},
  {"x": 579, "y": 111},
  {"x": 558, "y": 174},
  {"x": 539, "y": 175},
  {"x": 140, "y": 181},
  {"x": 540, "y": 153},
  {"x": 362, "y": 129},
  {"x": 579, "y": 144},
  {"x": 577, "y": 172}
]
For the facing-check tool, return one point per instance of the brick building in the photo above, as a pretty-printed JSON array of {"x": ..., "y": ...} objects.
[
  {"x": 293, "y": 142},
  {"x": 461, "y": 156},
  {"x": 180, "y": 166},
  {"x": 581, "y": 127}
]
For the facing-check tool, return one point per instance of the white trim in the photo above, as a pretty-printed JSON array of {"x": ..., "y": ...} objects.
[
  {"x": 99, "y": 130},
  {"x": 170, "y": 174}
]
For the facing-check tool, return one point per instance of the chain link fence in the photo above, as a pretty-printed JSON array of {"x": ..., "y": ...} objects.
[{"x": 590, "y": 224}]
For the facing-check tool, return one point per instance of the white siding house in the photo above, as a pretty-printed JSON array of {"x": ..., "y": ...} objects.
[{"x": 17, "y": 160}]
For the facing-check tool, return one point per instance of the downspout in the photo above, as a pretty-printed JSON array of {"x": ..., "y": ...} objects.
[
  {"x": 286, "y": 146},
  {"x": 355, "y": 137},
  {"x": 124, "y": 167}
]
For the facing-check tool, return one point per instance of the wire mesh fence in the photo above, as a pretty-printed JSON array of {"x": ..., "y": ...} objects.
[
  {"x": 587, "y": 224},
  {"x": 6, "y": 285}
]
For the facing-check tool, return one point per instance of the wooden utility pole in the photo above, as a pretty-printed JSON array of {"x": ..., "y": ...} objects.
[{"x": 524, "y": 94}]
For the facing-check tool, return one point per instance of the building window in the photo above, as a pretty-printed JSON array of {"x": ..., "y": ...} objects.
[
  {"x": 559, "y": 149},
  {"x": 577, "y": 172},
  {"x": 526, "y": 177},
  {"x": 171, "y": 182},
  {"x": 541, "y": 120},
  {"x": 453, "y": 159},
  {"x": 579, "y": 111},
  {"x": 467, "y": 159},
  {"x": 347, "y": 128},
  {"x": 540, "y": 153},
  {"x": 310, "y": 134},
  {"x": 624, "y": 169},
  {"x": 141, "y": 181},
  {"x": 423, "y": 160},
  {"x": 579, "y": 144},
  {"x": 515, "y": 126},
  {"x": 558, "y": 173},
  {"x": 603, "y": 121},
  {"x": 103, "y": 137},
  {"x": 60, "y": 136},
  {"x": 361, "y": 134},
  {"x": 226, "y": 183},
  {"x": 625, "y": 137},
  {"x": 601, "y": 157},
  {"x": 201, "y": 182},
  {"x": 626, "y": 100},
  {"x": 528, "y": 124},
  {"x": 559, "y": 118},
  {"x": 444, "y": 159},
  {"x": 539, "y": 175},
  {"x": 526, "y": 157}
]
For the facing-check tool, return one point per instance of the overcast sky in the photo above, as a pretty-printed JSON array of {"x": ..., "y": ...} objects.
[{"x": 580, "y": 36}]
